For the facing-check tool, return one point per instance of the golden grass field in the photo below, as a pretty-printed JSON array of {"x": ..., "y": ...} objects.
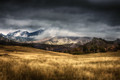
[{"x": 23, "y": 63}]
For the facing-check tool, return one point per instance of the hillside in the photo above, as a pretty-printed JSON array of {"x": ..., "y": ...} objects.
[
  {"x": 96, "y": 45},
  {"x": 73, "y": 45},
  {"x": 26, "y": 63},
  {"x": 67, "y": 40}
]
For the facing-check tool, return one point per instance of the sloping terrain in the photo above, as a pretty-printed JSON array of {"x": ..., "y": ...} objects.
[
  {"x": 67, "y": 40},
  {"x": 96, "y": 45},
  {"x": 24, "y": 63}
]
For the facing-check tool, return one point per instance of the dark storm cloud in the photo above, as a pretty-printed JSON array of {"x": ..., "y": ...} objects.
[
  {"x": 52, "y": 3},
  {"x": 96, "y": 17}
]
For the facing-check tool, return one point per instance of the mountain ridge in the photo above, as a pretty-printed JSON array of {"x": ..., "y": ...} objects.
[
  {"x": 93, "y": 46},
  {"x": 23, "y": 36}
]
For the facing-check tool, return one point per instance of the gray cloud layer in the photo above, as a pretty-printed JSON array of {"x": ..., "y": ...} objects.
[{"x": 67, "y": 16}]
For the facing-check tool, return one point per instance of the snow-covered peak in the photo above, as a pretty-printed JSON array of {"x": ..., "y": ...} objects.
[
  {"x": 26, "y": 34},
  {"x": 18, "y": 33}
]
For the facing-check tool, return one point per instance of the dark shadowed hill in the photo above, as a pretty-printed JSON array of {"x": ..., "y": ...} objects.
[{"x": 95, "y": 46}]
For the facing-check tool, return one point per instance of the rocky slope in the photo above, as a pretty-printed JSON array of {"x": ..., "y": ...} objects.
[{"x": 67, "y": 40}]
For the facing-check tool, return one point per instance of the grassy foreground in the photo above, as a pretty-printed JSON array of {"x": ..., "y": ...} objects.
[{"x": 22, "y": 63}]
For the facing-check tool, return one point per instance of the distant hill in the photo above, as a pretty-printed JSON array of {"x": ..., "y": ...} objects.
[
  {"x": 65, "y": 40},
  {"x": 95, "y": 46}
]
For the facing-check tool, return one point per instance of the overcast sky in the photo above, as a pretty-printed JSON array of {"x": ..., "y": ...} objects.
[{"x": 92, "y": 18}]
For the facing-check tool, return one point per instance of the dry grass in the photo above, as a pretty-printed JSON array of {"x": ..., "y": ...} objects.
[{"x": 22, "y": 63}]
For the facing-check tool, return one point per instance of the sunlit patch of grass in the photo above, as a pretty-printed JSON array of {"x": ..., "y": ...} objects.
[{"x": 35, "y": 64}]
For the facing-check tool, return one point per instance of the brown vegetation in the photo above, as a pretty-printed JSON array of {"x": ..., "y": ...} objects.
[{"x": 23, "y": 63}]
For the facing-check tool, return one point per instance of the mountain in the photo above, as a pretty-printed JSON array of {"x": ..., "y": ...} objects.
[
  {"x": 6, "y": 41},
  {"x": 94, "y": 46},
  {"x": 30, "y": 37},
  {"x": 2, "y": 38},
  {"x": 67, "y": 40},
  {"x": 117, "y": 41},
  {"x": 62, "y": 43},
  {"x": 20, "y": 33},
  {"x": 23, "y": 36},
  {"x": 72, "y": 45},
  {"x": 36, "y": 33}
]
